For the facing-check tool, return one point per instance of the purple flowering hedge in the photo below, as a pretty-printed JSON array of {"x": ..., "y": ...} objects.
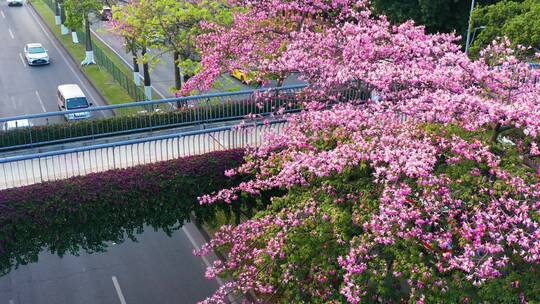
[{"x": 86, "y": 212}]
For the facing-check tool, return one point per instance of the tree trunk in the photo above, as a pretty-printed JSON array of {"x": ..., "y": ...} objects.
[
  {"x": 63, "y": 29},
  {"x": 146, "y": 74},
  {"x": 177, "y": 77},
  {"x": 495, "y": 135},
  {"x": 136, "y": 77},
  {"x": 57, "y": 18},
  {"x": 89, "y": 59},
  {"x": 74, "y": 36}
]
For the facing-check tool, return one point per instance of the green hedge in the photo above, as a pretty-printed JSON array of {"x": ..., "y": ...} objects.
[
  {"x": 101, "y": 126},
  {"x": 88, "y": 211}
]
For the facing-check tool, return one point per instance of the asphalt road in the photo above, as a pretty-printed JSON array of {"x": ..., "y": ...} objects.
[
  {"x": 155, "y": 270},
  {"x": 32, "y": 89}
]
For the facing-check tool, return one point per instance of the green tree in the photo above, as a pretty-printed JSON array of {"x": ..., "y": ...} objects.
[
  {"x": 176, "y": 26},
  {"x": 517, "y": 20},
  {"x": 77, "y": 16},
  {"x": 437, "y": 15},
  {"x": 132, "y": 23}
]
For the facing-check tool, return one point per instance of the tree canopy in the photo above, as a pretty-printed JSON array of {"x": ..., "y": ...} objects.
[
  {"x": 169, "y": 26},
  {"x": 76, "y": 10},
  {"x": 517, "y": 20},
  {"x": 437, "y": 15}
]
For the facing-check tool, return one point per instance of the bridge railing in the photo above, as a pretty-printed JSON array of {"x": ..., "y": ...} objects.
[
  {"x": 29, "y": 169},
  {"x": 35, "y": 130}
]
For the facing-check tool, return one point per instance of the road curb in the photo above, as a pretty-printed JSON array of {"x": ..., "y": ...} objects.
[{"x": 73, "y": 60}]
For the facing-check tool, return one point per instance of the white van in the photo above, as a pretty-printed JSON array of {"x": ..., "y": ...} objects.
[{"x": 71, "y": 97}]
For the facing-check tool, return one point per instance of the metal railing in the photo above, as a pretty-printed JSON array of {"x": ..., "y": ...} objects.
[
  {"x": 125, "y": 80},
  {"x": 35, "y": 168},
  {"x": 51, "y": 128}
]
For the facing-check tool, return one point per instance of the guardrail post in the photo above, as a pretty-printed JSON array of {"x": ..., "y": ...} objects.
[
  {"x": 30, "y": 135},
  {"x": 92, "y": 131}
]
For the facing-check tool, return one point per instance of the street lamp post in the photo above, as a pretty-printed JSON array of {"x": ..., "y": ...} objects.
[
  {"x": 474, "y": 33},
  {"x": 467, "y": 43}
]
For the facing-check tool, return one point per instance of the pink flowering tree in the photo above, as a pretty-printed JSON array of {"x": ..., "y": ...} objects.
[
  {"x": 259, "y": 35},
  {"x": 428, "y": 194}
]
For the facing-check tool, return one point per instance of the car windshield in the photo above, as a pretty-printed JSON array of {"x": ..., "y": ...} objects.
[
  {"x": 76, "y": 103},
  {"x": 36, "y": 50}
]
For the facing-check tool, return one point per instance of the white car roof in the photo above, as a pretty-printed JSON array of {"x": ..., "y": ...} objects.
[
  {"x": 34, "y": 45},
  {"x": 70, "y": 91}
]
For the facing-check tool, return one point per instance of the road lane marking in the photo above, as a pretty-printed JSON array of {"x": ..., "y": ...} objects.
[
  {"x": 13, "y": 102},
  {"x": 41, "y": 102},
  {"x": 11, "y": 33},
  {"x": 3, "y": 16},
  {"x": 54, "y": 43},
  {"x": 197, "y": 248},
  {"x": 11, "y": 302},
  {"x": 22, "y": 59},
  {"x": 118, "y": 290}
]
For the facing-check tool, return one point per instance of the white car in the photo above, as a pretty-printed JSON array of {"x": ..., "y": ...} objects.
[
  {"x": 15, "y": 2},
  {"x": 36, "y": 54}
]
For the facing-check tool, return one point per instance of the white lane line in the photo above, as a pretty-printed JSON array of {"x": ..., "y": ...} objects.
[
  {"x": 205, "y": 260},
  {"x": 41, "y": 102},
  {"x": 2, "y": 13},
  {"x": 11, "y": 33},
  {"x": 11, "y": 302},
  {"x": 13, "y": 102},
  {"x": 53, "y": 42},
  {"x": 118, "y": 290},
  {"x": 22, "y": 59}
]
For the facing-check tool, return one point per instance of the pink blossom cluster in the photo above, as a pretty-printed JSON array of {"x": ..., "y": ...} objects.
[
  {"x": 474, "y": 235},
  {"x": 437, "y": 112},
  {"x": 260, "y": 34}
]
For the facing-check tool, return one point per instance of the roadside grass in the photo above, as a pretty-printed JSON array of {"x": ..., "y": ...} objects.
[
  {"x": 112, "y": 56},
  {"x": 104, "y": 82}
]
